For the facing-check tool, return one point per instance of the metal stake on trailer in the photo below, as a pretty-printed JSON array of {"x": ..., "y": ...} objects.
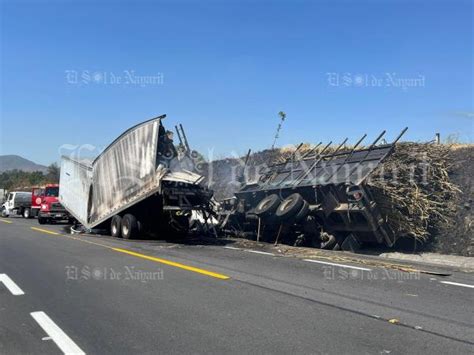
[
  {"x": 184, "y": 138},
  {"x": 301, "y": 178},
  {"x": 348, "y": 157},
  {"x": 390, "y": 151},
  {"x": 311, "y": 151}
]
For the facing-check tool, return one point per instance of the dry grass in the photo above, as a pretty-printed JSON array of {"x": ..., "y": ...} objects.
[{"x": 414, "y": 190}]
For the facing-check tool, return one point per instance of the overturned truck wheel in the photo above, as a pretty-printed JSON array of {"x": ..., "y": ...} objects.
[
  {"x": 116, "y": 226},
  {"x": 129, "y": 226},
  {"x": 267, "y": 206},
  {"x": 303, "y": 212},
  {"x": 290, "y": 207}
]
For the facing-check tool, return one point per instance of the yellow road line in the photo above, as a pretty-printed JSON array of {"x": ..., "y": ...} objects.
[
  {"x": 152, "y": 258},
  {"x": 5, "y": 221},
  {"x": 88, "y": 241},
  {"x": 172, "y": 263},
  {"x": 45, "y": 231}
]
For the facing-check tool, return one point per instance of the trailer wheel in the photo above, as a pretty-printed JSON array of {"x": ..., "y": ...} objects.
[
  {"x": 303, "y": 213},
  {"x": 267, "y": 205},
  {"x": 116, "y": 226},
  {"x": 129, "y": 226},
  {"x": 26, "y": 213},
  {"x": 289, "y": 207}
]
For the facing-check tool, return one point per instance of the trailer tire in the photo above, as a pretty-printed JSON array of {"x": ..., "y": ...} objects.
[
  {"x": 129, "y": 226},
  {"x": 116, "y": 226},
  {"x": 303, "y": 213},
  {"x": 267, "y": 206},
  {"x": 26, "y": 213},
  {"x": 289, "y": 207}
]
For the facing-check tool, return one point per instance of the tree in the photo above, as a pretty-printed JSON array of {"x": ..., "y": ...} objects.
[
  {"x": 282, "y": 116},
  {"x": 52, "y": 174}
]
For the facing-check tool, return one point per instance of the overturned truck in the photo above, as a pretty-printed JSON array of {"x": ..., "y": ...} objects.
[
  {"x": 139, "y": 184},
  {"x": 320, "y": 198}
]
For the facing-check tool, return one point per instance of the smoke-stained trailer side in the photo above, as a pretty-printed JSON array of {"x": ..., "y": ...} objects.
[{"x": 138, "y": 183}]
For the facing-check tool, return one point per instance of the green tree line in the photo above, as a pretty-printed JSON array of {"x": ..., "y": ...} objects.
[{"x": 15, "y": 179}]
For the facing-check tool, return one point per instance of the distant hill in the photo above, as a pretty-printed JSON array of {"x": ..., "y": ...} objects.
[{"x": 12, "y": 162}]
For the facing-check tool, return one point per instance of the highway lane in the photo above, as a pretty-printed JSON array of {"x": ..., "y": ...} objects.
[{"x": 98, "y": 296}]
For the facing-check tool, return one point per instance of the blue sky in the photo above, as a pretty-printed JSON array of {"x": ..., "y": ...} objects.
[{"x": 224, "y": 69}]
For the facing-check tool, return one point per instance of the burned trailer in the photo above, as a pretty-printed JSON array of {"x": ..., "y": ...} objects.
[
  {"x": 321, "y": 196},
  {"x": 140, "y": 183}
]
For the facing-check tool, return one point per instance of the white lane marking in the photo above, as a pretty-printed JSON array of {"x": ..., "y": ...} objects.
[
  {"x": 59, "y": 337},
  {"x": 340, "y": 265},
  {"x": 251, "y": 251},
  {"x": 259, "y": 252},
  {"x": 232, "y": 248},
  {"x": 12, "y": 286},
  {"x": 456, "y": 284}
]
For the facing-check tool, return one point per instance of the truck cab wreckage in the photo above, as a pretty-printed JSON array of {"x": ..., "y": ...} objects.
[{"x": 320, "y": 198}]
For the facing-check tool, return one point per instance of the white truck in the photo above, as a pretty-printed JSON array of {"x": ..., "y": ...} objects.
[{"x": 16, "y": 203}]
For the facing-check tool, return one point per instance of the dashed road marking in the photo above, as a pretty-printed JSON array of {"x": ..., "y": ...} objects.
[
  {"x": 232, "y": 248},
  {"x": 250, "y": 251},
  {"x": 259, "y": 252},
  {"x": 11, "y": 285},
  {"x": 456, "y": 284},
  {"x": 339, "y": 265},
  {"x": 5, "y": 221},
  {"x": 56, "y": 334}
]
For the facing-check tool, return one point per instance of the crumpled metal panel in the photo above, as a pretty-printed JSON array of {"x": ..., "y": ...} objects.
[
  {"x": 185, "y": 176},
  {"x": 124, "y": 171},
  {"x": 74, "y": 185}
]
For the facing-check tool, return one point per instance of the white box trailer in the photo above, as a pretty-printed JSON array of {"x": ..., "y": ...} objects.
[{"x": 138, "y": 183}]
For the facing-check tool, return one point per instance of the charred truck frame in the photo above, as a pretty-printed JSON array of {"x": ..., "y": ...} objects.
[
  {"x": 140, "y": 183},
  {"x": 320, "y": 195}
]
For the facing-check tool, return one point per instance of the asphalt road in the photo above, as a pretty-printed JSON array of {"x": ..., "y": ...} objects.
[{"x": 87, "y": 294}]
